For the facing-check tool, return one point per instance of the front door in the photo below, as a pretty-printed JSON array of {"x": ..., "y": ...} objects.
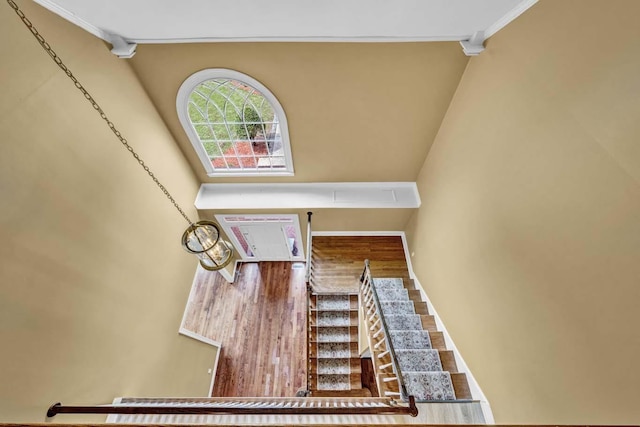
[{"x": 264, "y": 237}]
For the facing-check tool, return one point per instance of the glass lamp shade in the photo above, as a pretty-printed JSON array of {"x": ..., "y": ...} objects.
[{"x": 203, "y": 240}]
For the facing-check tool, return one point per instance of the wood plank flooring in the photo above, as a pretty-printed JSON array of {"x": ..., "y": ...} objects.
[
  {"x": 260, "y": 321},
  {"x": 338, "y": 261}
]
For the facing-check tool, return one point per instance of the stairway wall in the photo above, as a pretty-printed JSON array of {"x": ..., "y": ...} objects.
[
  {"x": 528, "y": 238},
  {"x": 93, "y": 280}
]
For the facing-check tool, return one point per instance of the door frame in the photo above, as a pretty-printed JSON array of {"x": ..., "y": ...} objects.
[{"x": 226, "y": 225}]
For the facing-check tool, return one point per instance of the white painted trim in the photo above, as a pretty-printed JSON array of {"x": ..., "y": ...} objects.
[
  {"x": 308, "y": 195},
  {"x": 226, "y": 275},
  {"x": 199, "y": 337},
  {"x": 476, "y": 391},
  {"x": 74, "y": 19},
  {"x": 357, "y": 233},
  {"x": 508, "y": 17},
  {"x": 308, "y": 39},
  {"x": 191, "y": 292},
  {"x": 113, "y": 418},
  {"x": 182, "y": 107},
  {"x": 235, "y": 269},
  {"x": 402, "y": 235},
  {"x": 407, "y": 255},
  {"x": 211, "y": 342},
  {"x": 120, "y": 47},
  {"x": 187, "y": 333}
]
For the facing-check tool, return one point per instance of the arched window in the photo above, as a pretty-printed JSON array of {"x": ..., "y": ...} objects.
[{"x": 235, "y": 124}]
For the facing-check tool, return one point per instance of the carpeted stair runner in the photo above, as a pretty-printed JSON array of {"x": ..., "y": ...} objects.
[
  {"x": 419, "y": 364},
  {"x": 333, "y": 344}
]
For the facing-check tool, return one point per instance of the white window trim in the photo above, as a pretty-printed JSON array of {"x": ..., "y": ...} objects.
[{"x": 182, "y": 107}]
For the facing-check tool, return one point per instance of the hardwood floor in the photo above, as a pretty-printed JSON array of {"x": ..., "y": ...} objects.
[
  {"x": 260, "y": 321},
  {"x": 338, "y": 261}
]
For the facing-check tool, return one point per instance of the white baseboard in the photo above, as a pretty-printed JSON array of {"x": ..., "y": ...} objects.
[
  {"x": 476, "y": 391},
  {"x": 187, "y": 333},
  {"x": 402, "y": 235},
  {"x": 357, "y": 233},
  {"x": 211, "y": 342}
]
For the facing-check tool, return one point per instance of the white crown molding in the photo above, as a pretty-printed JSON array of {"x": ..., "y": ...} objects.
[
  {"x": 308, "y": 39},
  {"x": 508, "y": 17},
  {"x": 73, "y": 18},
  {"x": 121, "y": 47},
  {"x": 462, "y": 26}
]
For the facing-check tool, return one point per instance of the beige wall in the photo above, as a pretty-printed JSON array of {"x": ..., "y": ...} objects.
[
  {"x": 528, "y": 239},
  {"x": 93, "y": 280},
  {"x": 356, "y": 111}
]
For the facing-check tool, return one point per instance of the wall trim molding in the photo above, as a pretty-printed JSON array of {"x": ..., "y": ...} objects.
[
  {"x": 476, "y": 391},
  {"x": 402, "y": 235},
  {"x": 226, "y": 275},
  {"x": 74, "y": 19},
  {"x": 210, "y": 342},
  {"x": 198, "y": 337},
  {"x": 187, "y": 333},
  {"x": 309, "y": 195},
  {"x": 508, "y": 17}
]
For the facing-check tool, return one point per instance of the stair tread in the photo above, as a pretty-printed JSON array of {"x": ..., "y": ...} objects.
[
  {"x": 334, "y": 382},
  {"x": 392, "y": 294},
  {"x": 333, "y": 318},
  {"x": 397, "y": 307},
  {"x": 388, "y": 282},
  {"x": 334, "y": 334},
  {"x": 332, "y": 302},
  {"x": 334, "y": 366},
  {"x": 410, "y": 340},
  {"x": 425, "y": 386},
  {"x": 404, "y": 322},
  {"x": 334, "y": 350},
  {"x": 419, "y": 360}
]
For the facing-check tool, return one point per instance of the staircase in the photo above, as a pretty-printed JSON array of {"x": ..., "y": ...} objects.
[
  {"x": 335, "y": 368},
  {"x": 400, "y": 325}
]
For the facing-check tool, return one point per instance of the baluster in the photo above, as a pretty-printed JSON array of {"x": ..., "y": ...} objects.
[
  {"x": 385, "y": 366},
  {"x": 379, "y": 344},
  {"x": 383, "y": 354},
  {"x": 378, "y": 332}
]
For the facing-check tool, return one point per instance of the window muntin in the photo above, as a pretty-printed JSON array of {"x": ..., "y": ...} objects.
[{"x": 235, "y": 124}]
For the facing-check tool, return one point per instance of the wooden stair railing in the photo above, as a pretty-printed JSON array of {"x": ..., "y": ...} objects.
[
  {"x": 389, "y": 381},
  {"x": 246, "y": 406},
  {"x": 448, "y": 385}
]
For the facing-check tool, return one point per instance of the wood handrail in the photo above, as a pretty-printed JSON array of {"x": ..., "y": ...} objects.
[{"x": 246, "y": 406}]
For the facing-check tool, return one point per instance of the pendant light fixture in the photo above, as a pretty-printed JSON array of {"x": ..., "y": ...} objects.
[{"x": 201, "y": 238}]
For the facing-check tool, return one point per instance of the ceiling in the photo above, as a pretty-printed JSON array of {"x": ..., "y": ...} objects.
[{"x": 165, "y": 21}]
